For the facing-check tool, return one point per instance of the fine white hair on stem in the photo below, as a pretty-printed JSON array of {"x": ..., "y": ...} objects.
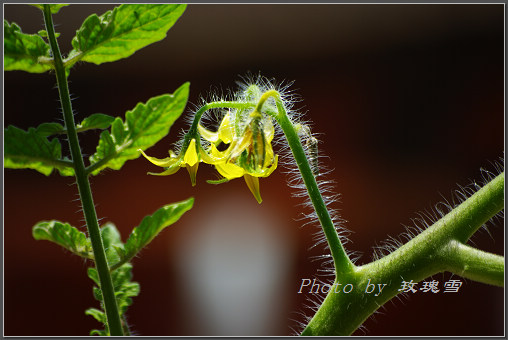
[
  {"x": 311, "y": 142},
  {"x": 428, "y": 217},
  {"x": 313, "y": 300}
]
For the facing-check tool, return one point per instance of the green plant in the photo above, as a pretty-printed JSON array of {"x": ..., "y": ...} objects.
[
  {"x": 247, "y": 131},
  {"x": 112, "y": 36}
]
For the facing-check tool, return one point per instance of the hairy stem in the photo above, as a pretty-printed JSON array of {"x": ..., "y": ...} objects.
[
  {"x": 437, "y": 249},
  {"x": 474, "y": 264},
  {"x": 106, "y": 284},
  {"x": 343, "y": 265}
]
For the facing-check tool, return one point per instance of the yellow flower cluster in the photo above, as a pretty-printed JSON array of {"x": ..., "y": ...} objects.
[{"x": 249, "y": 153}]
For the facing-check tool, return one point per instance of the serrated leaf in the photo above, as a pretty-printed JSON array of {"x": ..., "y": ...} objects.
[
  {"x": 118, "y": 131},
  {"x": 31, "y": 150},
  {"x": 112, "y": 242},
  {"x": 49, "y": 129},
  {"x": 152, "y": 225},
  {"x": 150, "y": 122},
  {"x": 97, "y": 293},
  {"x": 24, "y": 52},
  {"x": 93, "y": 274},
  {"x": 121, "y": 275},
  {"x": 145, "y": 125},
  {"x": 119, "y": 33},
  {"x": 130, "y": 289},
  {"x": 54, "y": 8},
  {"x": 95, "y": 121},
  {"x": 105, "y": 150},
  {"x": 124, "y": 289},
  {"x": 64, "y": 235},
  {"x": 97, "y": 314}
]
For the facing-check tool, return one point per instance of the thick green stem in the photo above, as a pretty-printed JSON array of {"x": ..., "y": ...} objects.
[
  {"x": 436, "y": 249},
  {"x": 108, "y": 292}
]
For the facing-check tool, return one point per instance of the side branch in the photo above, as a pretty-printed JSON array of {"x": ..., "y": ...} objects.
[{"x": 474, "y": 264}]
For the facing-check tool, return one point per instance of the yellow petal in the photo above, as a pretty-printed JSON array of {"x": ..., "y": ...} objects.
[
  {"x": 268, "y": 129},
  {"x": 229, "y": 170},
  {"x": 192, "y": 172},
  {"x": 253, "y": 184},
  {"x": 269, "y": 171},
  {"x": 210, "y": 136},
  {"x": 240, "y": 144},
  {"x": 166, "y": 162},
  {"x": 268, "y": 155},
  {"x": 191, "y": 156},
  {"x": 226, "y": 129},
  {"x": 214, "y": 157},
  {"x": 168, "y": 172}
]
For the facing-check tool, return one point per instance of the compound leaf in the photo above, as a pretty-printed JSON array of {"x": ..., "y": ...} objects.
[
  {"x": 119, "y": 33},
  {"x": 64, "y": 235},
  {"x": 25, "y": 52},
  {"x": 29, "y": 149},
  {"x": 152, "y": 225},
  {"x": 145, "y": 125}
]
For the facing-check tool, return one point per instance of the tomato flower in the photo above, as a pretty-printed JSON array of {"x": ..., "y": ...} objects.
[
  {"x": 173, "y": 163},
  {"x": 248, "y": 135},
  {"x": 250, "y": 153}
]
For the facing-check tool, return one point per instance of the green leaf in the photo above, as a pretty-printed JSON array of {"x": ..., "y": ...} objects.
[
  {"x": 128, "y": 290},
  {"x": 29, "y": 149},
  {"x": 124, "y": 288},
  {"x": 97, "y": 314},
  {"x": 119, "y": 33},
  {"x": 95, "y": 121},
  {"x": 112, "y": 242},
  {"x": 97, "y": 294},
  {"x": 54, "y": 8},
  {"x": 145, "y": 125},
  {"x": 152, "y": 225},
  {"x": 64, "y": 235},
  {"x": 44, "y": 34},
  {"x": 94, "y": 275},
  {"x": 25, "y": 52},
  {"x": 49, "y": 129},
  {"x": 97, "y": 332}
]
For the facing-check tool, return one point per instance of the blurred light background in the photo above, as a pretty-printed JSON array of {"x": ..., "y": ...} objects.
[{"x": 408, "y": 100}]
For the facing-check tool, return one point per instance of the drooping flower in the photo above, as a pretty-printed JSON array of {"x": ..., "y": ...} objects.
[
  {"x": 173, "y": 163},
  {"x": 250, "y": 153},
  {"x": 247, "y": 134}
]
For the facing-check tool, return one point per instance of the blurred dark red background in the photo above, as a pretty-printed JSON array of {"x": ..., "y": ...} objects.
[{"x": 408, "y": 100}]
